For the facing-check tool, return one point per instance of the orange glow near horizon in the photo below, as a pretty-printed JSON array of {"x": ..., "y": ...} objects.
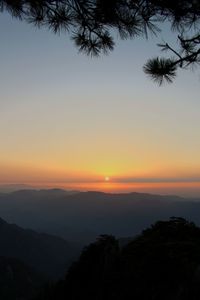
[
  {"x": 173, "y": 188},
  {"x": 94, "y": 121},
  {"x": 182, "y": 182}
]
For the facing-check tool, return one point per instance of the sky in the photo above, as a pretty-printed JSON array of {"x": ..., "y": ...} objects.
[{"x": 68, "y": 120}]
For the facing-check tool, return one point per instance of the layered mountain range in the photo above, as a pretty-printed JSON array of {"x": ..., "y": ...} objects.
[{"x": 81, "y": 216}]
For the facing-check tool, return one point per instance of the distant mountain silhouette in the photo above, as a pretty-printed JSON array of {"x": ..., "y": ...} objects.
[
  {"x": 8, "y": 188},
  {"x": 47, "y": 254},
  {"x": 83, "y": 216},
  {"x": 17, "y": 280}
]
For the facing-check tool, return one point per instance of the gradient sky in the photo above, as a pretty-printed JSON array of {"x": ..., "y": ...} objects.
[{"x": 68, "y": 119}]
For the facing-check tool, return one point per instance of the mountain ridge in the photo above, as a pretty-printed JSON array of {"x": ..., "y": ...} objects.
[
  {"x": 48, "y": 254},
  {"x": 82, "y": 216}
]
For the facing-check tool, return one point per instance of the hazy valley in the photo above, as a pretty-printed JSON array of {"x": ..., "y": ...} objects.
[{"x": 82, "y": 216}]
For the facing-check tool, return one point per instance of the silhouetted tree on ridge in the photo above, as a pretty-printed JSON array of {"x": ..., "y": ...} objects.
[
  {"x": 91, "y": 24},
  {"x": 161, "y": 263}
]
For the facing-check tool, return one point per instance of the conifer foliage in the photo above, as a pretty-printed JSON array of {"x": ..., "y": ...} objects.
[{"x": 92, "y": 25}]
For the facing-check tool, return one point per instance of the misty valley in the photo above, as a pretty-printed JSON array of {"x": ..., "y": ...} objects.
[{"x": 57, "y": 244}]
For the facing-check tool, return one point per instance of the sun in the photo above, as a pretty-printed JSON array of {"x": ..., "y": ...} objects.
[{"x": 107, "y": 179}]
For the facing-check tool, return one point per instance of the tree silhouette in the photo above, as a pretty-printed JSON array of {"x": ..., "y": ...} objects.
[
  {"x": 93, "y": 275},
  {"x": 161, "y": 263},
  {"x": 92, "y": 23}
]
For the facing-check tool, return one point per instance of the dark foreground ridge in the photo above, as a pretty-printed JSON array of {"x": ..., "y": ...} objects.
[
  {"x": 17, "y": 280},
  {"x": 161, "y": 263}
]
